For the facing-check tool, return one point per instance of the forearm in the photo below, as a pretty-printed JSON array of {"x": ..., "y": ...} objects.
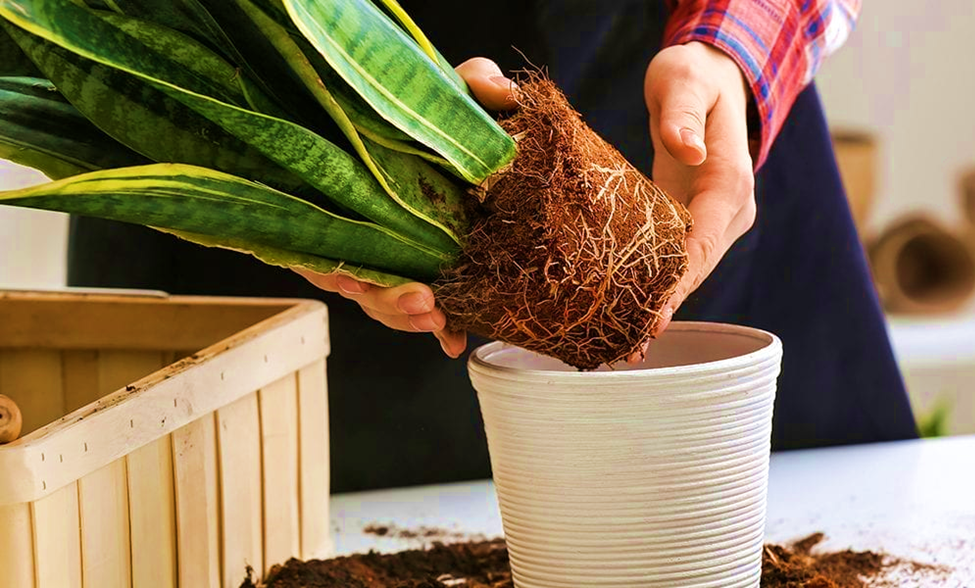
[{"x": 779, "y": 46}]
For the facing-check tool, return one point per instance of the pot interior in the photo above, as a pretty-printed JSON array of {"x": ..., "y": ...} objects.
[{"x": 683, "y": 344}]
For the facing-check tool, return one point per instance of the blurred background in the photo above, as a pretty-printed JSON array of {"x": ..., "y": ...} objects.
[{"x": 898, "y": 97}]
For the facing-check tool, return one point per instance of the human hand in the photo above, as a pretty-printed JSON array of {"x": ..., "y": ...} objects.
[
  {"x": 411, "y": 307},
  {"x": 698, "y": 100}
]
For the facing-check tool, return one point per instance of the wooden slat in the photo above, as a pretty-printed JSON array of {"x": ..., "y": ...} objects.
[
  {"x": 32, "y": 378},
  {"x": 161, "y": 403},
  {"x": 73, "y": 321},
  {"x": 279, "y": 435},
  {"x": 80, "y": 370},
  {"x": 197, "y": 503},
  {"x": 57, "y": 539},
  {"x": 152, "y": 515},
  {"x": 16, "y": 546},
  {"x": 105, "y": 557},
  {"x": 313, "y": 455},
  {"x": 239, "y": 447}
]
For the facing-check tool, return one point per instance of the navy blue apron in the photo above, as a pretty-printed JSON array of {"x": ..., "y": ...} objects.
[{"x": 403, "y": 414}]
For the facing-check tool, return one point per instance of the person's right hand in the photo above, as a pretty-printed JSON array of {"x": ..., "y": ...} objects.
[{"x": 411, "y": 307}]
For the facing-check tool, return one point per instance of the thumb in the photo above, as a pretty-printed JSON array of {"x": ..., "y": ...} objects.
[
  {"x": 681, "y": 116},
  {"x": 488, "y": 83}
]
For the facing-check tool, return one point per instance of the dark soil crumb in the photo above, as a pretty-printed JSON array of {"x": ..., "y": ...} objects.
[
  {"x": 484, "y": 564},
  {"x": 430, "y": 533},
  {"x": 377, "y": 530}
]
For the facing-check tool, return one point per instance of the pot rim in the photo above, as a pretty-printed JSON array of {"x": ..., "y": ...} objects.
[{"x": 479, "y": 359}]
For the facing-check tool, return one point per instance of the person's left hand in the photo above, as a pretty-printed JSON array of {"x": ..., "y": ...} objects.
[
  {"x": 698, "y": 99},
  {"x": 411, "y": 307}
]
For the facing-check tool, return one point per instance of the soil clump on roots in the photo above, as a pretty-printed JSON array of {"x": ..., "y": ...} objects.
[
  {"x": 484, "y": 564},
  {"x": 573, "y": 252}
]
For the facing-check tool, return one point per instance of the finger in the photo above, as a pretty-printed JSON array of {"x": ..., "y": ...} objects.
[
  {"x": 488, "y": 83},
  {"x": 638, "y": 355},
  {"x": 409, "y": 299},
  {"x": 335, "y": 282},
  {"x": 453, "y": 343},
  {"x": 429, "y": 322},
  {"x": 666, "y": 315},
  {"x": 679, "y": 112},
  {"x": 718, "y": 222}
]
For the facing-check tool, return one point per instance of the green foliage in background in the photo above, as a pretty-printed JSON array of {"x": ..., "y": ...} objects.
[{"x": 934, "y": 423}]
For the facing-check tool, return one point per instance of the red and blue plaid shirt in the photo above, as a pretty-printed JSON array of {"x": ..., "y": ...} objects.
[{"x": 779, "y": 45}]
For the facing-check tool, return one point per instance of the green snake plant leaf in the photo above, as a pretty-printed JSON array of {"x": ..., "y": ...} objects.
[
  {"x": 202, "y": 201},
  {"x": 233, "y": 87},
  {"x": 186, "y": 16},
  {"x": 421, "y": 187},
  {"x": 291, "y": 259},
  {"x": 402, "y": 84},
  {"x": 263, "y": 64},
  {"x": 320, "y": 163},
  {"x": 413, "y": 185},
  {"x": 13, "y": 62},
  {"x": 220, "y": 80},
  {"x": 50, "y": 165},
  {"x": 196, "y": 19},
  {"x": 362, "y": 116},
  {"x": 406, "y": 21},
  {"x": 42, "y": 130},
  {"x": 147, "y": 120}
]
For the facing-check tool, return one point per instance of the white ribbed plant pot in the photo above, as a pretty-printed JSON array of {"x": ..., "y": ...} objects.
[{"x": 651, "y": 475}]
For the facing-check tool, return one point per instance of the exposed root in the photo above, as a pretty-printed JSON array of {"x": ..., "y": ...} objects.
[{"x": 575, "y": 252}]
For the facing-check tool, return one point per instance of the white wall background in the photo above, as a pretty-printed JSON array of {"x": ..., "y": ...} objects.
[
  {"x": 907, "y": 74},
  {"x": 33, "y": 244}
]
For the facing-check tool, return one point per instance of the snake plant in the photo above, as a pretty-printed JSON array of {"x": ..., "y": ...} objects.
[{"x": 324, "y": 134}]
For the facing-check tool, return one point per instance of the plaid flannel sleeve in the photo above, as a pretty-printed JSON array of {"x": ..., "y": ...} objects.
[{"x": 779, "y": 45}]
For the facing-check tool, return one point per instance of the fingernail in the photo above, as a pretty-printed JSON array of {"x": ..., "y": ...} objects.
[
  {"x": 350, "y": 286},
  {"x": 503, "y": 82},
  {"x": 666, "y": 315},
  {"x": 692, "y": 139},
  {"x": 443, "y": 345},
  {"x": 415, "y": 303}
]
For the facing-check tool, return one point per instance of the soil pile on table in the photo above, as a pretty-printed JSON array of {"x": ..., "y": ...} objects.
[
  {"x": 484, "y": 564},
  {"x": 796, "y": 567},
  {"x": 465, "y": 565}
]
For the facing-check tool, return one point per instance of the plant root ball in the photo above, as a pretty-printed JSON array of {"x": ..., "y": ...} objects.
[{"x": 573, "y": 252}]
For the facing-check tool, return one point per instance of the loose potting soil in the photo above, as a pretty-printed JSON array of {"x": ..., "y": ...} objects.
[{"x": 484, "y": 564}]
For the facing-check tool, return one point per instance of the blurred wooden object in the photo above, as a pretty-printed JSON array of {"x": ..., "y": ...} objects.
[
  {"x": 856, "y": 156},
  {"x": 968, "y": 198},
  {"x": 11, "y": 420},
  {"x": 167, "y": 441},
  {"x": 920, "y": 267},
  {"x": 968, "y": 205}
]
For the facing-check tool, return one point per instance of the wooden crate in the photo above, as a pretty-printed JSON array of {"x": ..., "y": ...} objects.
[{"x": 168, "y": 441}]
